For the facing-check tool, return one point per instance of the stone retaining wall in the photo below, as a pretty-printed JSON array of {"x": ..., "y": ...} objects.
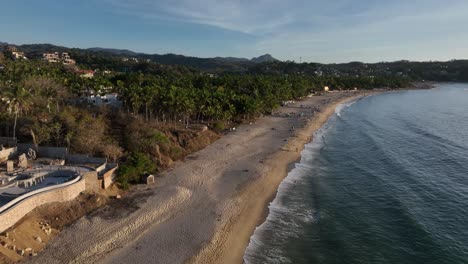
[
  {"x": 91, "y": 181},
  {"x": 61, "y": 193},
  {"x": 108, "y": 177},
  {"x": 44, "y": 152},
  {"x": 84, "y": 159},
  {"x": 8, "y": 153}
]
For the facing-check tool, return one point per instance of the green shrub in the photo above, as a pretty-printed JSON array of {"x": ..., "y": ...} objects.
[
  {"x": 134, "y": 168},
  {"x": 160, "y": 138},
  {"x": 218, "y": 127}
]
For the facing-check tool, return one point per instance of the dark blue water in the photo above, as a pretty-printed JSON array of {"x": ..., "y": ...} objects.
[{"x": 385, "y": 181}]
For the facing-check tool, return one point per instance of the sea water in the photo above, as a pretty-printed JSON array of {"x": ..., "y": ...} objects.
[{"x": 384, "y": 181}]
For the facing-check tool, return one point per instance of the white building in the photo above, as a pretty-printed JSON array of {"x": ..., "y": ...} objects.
[
  {"x": 111, "y": 99},
  {"x": 19, "y": 55},
  {"x": 55, "y": 57},
  {"x": 52, "y": 57},
  {"x": 16, "y": 53}
]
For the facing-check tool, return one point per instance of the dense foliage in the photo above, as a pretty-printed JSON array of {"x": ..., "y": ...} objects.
[{"x": 40, "y": 101}]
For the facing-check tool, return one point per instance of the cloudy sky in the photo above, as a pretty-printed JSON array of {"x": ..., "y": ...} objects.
[{"x": 319, "y": 31}]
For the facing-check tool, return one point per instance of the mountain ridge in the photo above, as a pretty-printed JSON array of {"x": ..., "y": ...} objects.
[{"x": 214, "y": 64}]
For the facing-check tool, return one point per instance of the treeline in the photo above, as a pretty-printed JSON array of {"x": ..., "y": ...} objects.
[
  {"x": 39, "y": 103},
  {"x": 199, "y": 98},
  {"x": 168, "y": 93},
  {"x": 455, "y": 70}
]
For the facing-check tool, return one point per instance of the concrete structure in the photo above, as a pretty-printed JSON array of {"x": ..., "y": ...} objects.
[
  {"x": 22, "y": 190},
  {"x": 31, "y": 181},
  {"x": 10, "y": 166},
  {"x": 52, "y": 57},
  {"x": 91, "y": 181},
  {"x": 44, "y": 152},
  {"x": 107, "y": 176},
  {"x": 67, "y": 60},
  {"x": 55, "y": 57},
  {"x": 23, "y": 161},
  {"x": 84, "y": 159},
  {"x": 17, "y": 55},
  {"x": 47, "y": 179},
  {"x": 12, "y": 212},
  {"x": 149, "y": 179},
  {"x": 8, "y": 153}
]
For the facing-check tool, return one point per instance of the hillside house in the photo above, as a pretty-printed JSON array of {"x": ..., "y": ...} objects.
[
  {"x": 17, "y": 55},
  {"x": 55, "y": 57}
]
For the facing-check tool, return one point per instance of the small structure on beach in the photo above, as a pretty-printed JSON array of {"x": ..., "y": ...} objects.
[{"x": 149, "y": 179}]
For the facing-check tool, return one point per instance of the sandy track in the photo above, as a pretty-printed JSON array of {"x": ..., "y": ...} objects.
[{"x": 205, "y": 209}]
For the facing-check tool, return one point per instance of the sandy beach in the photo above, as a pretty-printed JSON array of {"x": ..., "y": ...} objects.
[{"x": 205, "y": 209}]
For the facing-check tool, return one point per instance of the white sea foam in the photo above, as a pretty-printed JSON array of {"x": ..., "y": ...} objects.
[{"x": 341, "y": 107}]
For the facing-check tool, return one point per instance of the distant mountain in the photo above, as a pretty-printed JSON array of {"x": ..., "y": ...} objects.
[
  {"x": 231, "y": 59},
  {"x": 217, "y": 64},
  {"x": 170, "y": 56},
  {"x": 263, "y": 58},
  {"x": 125, "y": 52}
]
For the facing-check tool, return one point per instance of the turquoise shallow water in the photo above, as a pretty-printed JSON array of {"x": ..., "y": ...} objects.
[{"x": 385, "y": 181}]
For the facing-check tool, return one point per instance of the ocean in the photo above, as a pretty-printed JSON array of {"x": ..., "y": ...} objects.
[{"x": 384, "y": 181}]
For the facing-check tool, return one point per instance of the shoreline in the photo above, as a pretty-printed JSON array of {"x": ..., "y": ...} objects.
[
  {"x": 240, "y": 232},
  {"x": 207, "y": 207}
]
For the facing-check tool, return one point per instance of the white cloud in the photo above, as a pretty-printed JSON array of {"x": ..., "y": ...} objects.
[
  {"x": 250, "y": 17},
  {"x": 347, "y": 29}
]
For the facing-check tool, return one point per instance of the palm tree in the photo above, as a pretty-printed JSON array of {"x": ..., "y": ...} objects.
[{"x": 20, "y": 101}]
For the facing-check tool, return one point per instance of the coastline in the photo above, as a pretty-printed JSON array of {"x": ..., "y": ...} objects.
[
  {"x": 258, "y": 195},
  {"x": 206, "y": 208}
]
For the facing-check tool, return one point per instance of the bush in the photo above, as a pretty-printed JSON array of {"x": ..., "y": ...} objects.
[
  {"x": 134, "y": 168},
  {"x": 218, "y": 127}
]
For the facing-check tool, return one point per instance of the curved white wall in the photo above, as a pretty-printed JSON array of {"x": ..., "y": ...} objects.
[{"x": 12, "y": 212}]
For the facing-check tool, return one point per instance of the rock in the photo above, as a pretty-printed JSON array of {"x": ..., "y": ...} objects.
[
  {"x": 28, "y": 249},
  {"x": 47, "y": 230},
  {"x": 39, "y": 239},
  {"x": 34, "y": 254},
  {"x": 118, "y": 197},
  {"x": 20, "y": 252}
]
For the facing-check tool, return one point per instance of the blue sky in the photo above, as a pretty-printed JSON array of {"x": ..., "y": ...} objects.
[{"x": 319, "y": 31}]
